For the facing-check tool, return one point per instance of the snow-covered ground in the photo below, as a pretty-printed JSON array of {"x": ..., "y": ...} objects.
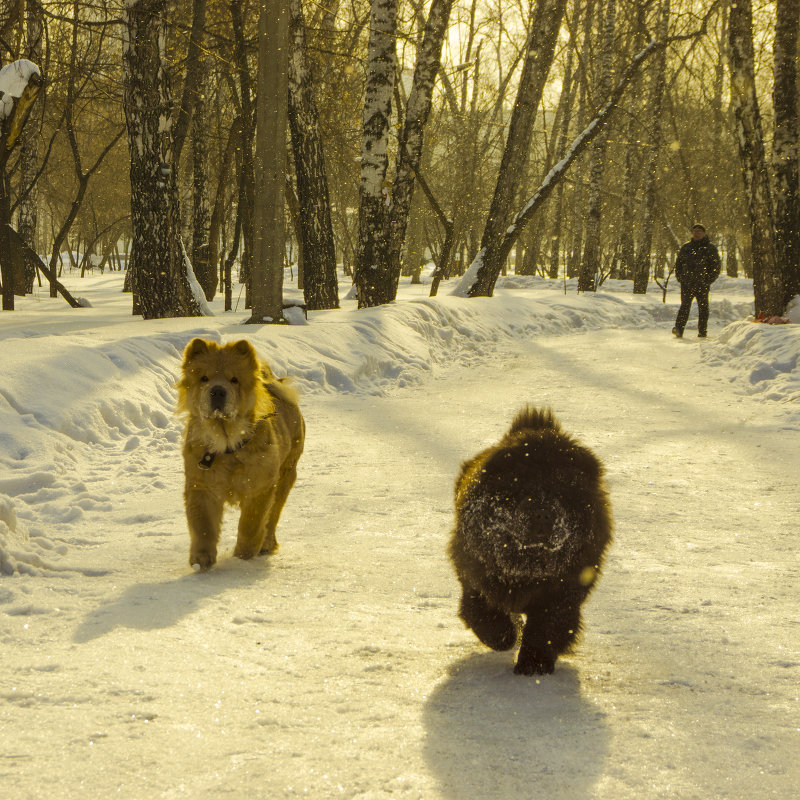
[{"x": 338, "y": 667}]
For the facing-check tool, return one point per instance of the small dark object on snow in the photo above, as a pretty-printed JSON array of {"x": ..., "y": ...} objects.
[
  {"x": 772, "y": 319},
  {"x": 533, "y": 520}
]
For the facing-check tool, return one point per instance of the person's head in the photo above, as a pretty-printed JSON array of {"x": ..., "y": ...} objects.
[{"x": 698, "y": 232}]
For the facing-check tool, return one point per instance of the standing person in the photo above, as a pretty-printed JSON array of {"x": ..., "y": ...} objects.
[{"x": 696, "y": 268}]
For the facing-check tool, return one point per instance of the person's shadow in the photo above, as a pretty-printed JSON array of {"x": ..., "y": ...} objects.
[
  {"x": 161, "y": 604},
  {"x": 494, "y": 735}
]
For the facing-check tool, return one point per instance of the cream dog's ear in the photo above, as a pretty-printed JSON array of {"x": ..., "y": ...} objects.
[
  {"x": 243, "y": 347},
  {"x": 195, "y": 348}
]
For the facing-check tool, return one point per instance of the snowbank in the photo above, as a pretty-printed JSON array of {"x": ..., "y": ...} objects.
[
  {"x": 82, "y": 381},
  {"x": 760, "y": 359}
]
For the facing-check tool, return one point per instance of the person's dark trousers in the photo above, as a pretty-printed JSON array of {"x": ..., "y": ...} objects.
[{"x": 689, "y": 293}]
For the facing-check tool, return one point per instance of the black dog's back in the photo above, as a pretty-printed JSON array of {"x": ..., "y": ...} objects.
[{"x": 532, "y": 522}]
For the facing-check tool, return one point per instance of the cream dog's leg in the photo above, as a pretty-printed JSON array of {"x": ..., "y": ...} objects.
[
  {"x": 252, "y": 530},
  {"x": 204, "y": 515}
]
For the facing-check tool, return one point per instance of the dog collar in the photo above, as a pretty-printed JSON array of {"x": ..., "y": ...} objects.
[
  {"x": 207, "y": 460},
  {"x": 208, "y": 457}
]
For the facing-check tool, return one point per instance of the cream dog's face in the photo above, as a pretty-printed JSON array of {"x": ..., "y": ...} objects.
[{"x": 218, "y": 382}]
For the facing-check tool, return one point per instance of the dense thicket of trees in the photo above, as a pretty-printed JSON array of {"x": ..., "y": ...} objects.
[{"x": 453, "y": 129}]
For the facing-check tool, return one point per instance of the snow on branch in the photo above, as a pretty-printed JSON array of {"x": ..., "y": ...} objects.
[
  {"x": 194, "y": 285},
  {"x": 581, "y": 142},
  {"x": 14, "y": 80}
]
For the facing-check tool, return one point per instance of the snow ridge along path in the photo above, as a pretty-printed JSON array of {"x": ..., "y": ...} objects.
[{"x": 338, "y": 667}]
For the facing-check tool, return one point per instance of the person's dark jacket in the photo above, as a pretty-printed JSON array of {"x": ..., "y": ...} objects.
[{"x": 698, "y": 263}]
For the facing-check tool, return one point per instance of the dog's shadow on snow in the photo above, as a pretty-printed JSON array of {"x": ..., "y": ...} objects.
[
  {"x": 161, "y": 604},
  {"x": 493, "y": 734}
]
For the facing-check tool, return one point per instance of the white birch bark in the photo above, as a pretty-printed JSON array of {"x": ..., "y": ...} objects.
[
  {"x": 158, "y": 273},
  {"x": 204, "y": 269},
  {"x": 371, "y": 274},
  {"x": 27, "y": 220}
]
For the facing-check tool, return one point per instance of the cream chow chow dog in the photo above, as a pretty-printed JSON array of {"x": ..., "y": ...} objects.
[{"x": 244, "y": 436}]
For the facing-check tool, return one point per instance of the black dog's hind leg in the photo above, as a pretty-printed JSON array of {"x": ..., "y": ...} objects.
[
  {"x": 494, "y": 628},
  {"x": 550, "y": 629}
]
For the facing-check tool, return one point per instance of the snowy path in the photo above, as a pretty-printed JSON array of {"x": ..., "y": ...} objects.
[{"x": 339, "y": 668}]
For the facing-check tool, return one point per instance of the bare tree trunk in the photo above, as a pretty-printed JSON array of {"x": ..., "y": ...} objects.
[
  {"x": 579, "y": 192},
  {"x": 205, "y": 269},
  {"x": 785, "y": 147},
  {"x": 245, "y": 154},
  {"x": 218, "y": 211},
  {"x": 641, "y": 273},
  {"x": 731, "y": 262},
  {"x": 545, "y": 24},
  {"x": 411, "y": 137},
  {"x": 269, "y": 232},
  {"x": 192, "y": 84},
  {"x": 592, "y": 256},
  {"x": 16, "y": 112},
  {"x": 158, "y": 271},
  {"x": 315, "y": 230},
  {"x": 372, "y": 279},
  {"x": 767, "y": 280},
  {"x": 567, "y": 100},
  {"x": 633, "y": 159},
  {"x": 29, "y": 149}
]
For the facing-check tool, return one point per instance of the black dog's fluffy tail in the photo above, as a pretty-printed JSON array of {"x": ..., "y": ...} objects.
[{"x": 531, "y": 418}]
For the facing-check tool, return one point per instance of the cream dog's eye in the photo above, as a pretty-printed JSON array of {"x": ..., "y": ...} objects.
[
  {"x": 204, "y": 379},
  {"x": 234, "y": 379}
]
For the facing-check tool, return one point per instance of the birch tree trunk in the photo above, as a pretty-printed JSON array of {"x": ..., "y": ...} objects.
[
  {"x": 785, "y": 147},
  {"x": 545, "y": 25},
  {"x": 205, "y": 269},
  {"x": 411, "y": 137},
  {"x": 372, "y": 278},
  {"x": 592, "y": 257},
  {"x": 320, "y": 286},
  {"x": 568, "y": 85},
  {"x": 228, "y": 158},
  {"x": 246, "y": 201},
  {"x": 641, "y": 273},
  {"x": 767, "y": 281},
  {"x": 634, "y": 157},
  {"x": 29, "y": 150},
  {"x": 575, "y": 246},
  {"x": 12, "y": 124},
  {"x": 158, "y": 271}
]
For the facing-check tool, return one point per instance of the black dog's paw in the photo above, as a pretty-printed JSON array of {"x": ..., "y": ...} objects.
[
  {"x": 496, "y": 630},
  {"x": 534, "y": 665},
  {"x": 500, "y": 638}
]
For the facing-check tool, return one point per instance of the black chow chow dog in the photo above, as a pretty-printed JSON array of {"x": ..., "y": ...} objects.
[{"x": 532, "y": 523}]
